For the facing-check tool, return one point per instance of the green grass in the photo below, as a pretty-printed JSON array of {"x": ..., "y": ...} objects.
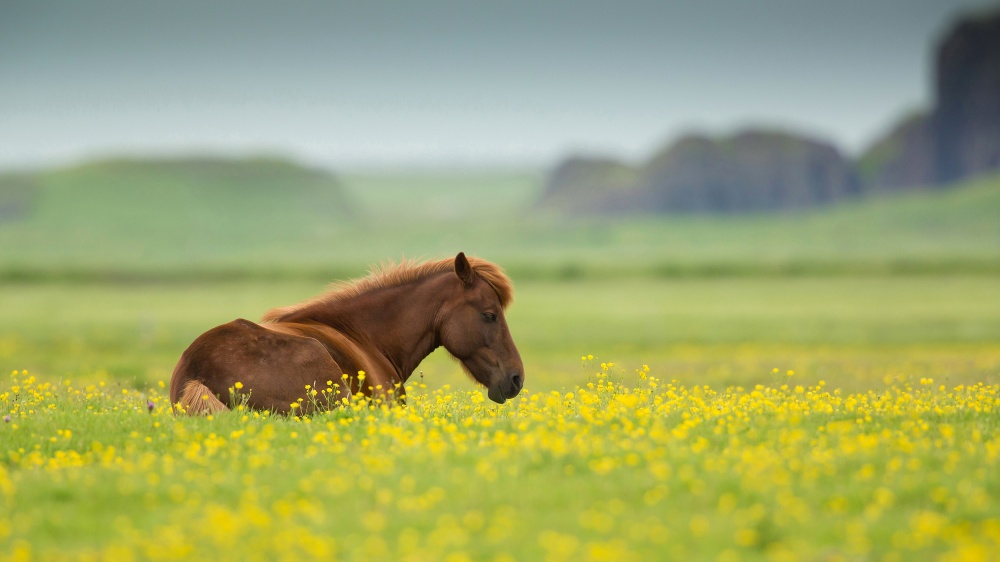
[
  {"x": 117, "y": 266},
  {"x": 852, "y": 331},
  {"x": 191, "y": 220},
  {"x": 886, "y": 313},
  {"x": 615, "y": 470}
]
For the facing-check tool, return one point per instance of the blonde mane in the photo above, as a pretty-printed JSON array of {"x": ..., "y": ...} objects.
[{"x": 390, "y": 274}]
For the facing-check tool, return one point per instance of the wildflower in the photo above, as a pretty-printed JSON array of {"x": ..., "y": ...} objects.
[
  {"x": 150, "y": 406},
  {"x": 238, "y": 385},
  {"x": 765, "y": 452}
]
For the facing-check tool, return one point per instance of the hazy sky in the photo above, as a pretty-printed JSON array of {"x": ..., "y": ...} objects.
[{"x": 432, "y": 81}]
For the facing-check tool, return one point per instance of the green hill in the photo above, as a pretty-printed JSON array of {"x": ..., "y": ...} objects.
[
  {"x": 201, "y": 218},
  {"x": 130, "y": 214}
]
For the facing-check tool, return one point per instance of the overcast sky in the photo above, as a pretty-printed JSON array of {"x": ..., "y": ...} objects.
[{"x": 430, "y": 82}]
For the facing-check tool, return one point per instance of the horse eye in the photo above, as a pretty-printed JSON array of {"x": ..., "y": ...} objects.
[{"x": 489, "y": 317}]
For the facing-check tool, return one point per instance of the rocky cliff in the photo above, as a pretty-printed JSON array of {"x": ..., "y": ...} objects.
[
  {"x": 966, "y": 119},
  {"x": 750, "y": 171},
  {"x": 902, "y": 159},
  {"x": 960, "y": 136},
  {"x": 765, "y": 170},
  {"x": 591, "y": 185}
]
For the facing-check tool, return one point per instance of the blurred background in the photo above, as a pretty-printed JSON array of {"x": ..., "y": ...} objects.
[{"x": 726, "y": 191}]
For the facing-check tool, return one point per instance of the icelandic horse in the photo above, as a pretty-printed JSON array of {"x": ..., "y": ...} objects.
[{"x": 382, "y": 325}]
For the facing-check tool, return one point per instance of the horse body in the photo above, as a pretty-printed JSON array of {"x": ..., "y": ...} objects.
[{"x": 383, "y": 326}]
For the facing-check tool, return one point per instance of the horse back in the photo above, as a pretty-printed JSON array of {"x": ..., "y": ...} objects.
[
  {"x": 272, "y": 366},
  {"x": 352, "y": 356}
]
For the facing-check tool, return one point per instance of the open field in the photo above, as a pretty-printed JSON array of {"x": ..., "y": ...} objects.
[
  {"x": 175, "y": 222},
  {"x": 851, "y": 331},
  {"x": 622, "y": 467},
  {"x": 872, "y": 329}
]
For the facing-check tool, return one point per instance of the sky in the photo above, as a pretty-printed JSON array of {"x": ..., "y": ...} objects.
[{"x": 441, "y": 82}]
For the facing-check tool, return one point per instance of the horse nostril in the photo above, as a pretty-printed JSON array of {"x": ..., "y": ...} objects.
[{"x": 516, "y": 381}]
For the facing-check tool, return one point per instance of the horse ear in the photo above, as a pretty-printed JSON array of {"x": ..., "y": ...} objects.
[{"x": 463, "y": 269}]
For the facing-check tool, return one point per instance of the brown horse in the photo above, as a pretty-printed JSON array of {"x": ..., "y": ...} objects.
[{"x": 383, "y": 325}]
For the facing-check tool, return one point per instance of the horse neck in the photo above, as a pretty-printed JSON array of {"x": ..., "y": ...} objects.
[{"x": 398, "y": 322}]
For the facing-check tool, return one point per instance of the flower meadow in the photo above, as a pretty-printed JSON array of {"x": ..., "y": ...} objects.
[{"x": 624, "y": 466}]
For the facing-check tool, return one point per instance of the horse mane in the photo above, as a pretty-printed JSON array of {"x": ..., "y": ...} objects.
[{"x": 390, "y": 274}]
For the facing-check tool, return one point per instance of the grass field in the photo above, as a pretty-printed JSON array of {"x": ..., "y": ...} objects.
[
  {"x": 851, "y": 331},
  {"x": 820, "y": 386},
  {"x": 872, "y": 434},
  {"x": 623, "y": 467},
  {"x": 181, "y": 221}
]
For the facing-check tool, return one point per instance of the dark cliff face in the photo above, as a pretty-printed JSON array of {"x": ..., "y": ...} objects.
[
  {"x": 966, "y": 119},
  {"x": 960, "y": 136},
  {"x": 903, "y": 159},
  {"x": 591, "y": 185},
  {"x": 765, "y": 170},
  {"x": 751, "y": 171}
]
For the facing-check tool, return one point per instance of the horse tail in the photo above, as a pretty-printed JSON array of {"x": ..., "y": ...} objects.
[{"x": 197, "y": 399}]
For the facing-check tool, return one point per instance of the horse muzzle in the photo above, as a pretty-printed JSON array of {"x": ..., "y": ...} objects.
[{"x": 506, "y": 389}]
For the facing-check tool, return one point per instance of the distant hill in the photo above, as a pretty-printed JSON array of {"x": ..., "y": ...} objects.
[
  {"x": 750, "y": 171},
  {"x": 591, "y": 185},
  {"x": 160, "y": 209},
  {"x": 902, "y": 159},
  {"x": 193, "y": 192},
  {"x": 960, "y": 136},
  {"x": 769, "y": 170},
  {"x": 198, "y": 220},
  {"x": 754, "y": 170}
]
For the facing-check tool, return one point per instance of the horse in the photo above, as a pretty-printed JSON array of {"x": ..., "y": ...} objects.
[{"x": 365, "y": 337}]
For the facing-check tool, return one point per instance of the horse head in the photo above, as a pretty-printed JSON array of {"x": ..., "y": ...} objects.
[{"x": 473, "y": 328}]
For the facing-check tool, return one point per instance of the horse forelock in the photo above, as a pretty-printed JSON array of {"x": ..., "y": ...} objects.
[{"x": 391, "y": 274}]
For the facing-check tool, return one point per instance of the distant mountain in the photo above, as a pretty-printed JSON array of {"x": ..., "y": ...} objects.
[
  {"x": 960, "y": 136},
  {"x": 765, "y": 170},
  {"x": 902, "y": 159},
  {"x": 751, "y": 171},
  {"x": 754, "y": 170},
  {"x": 966, "y": 120},
  {"x": 591, "y": 185}
]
